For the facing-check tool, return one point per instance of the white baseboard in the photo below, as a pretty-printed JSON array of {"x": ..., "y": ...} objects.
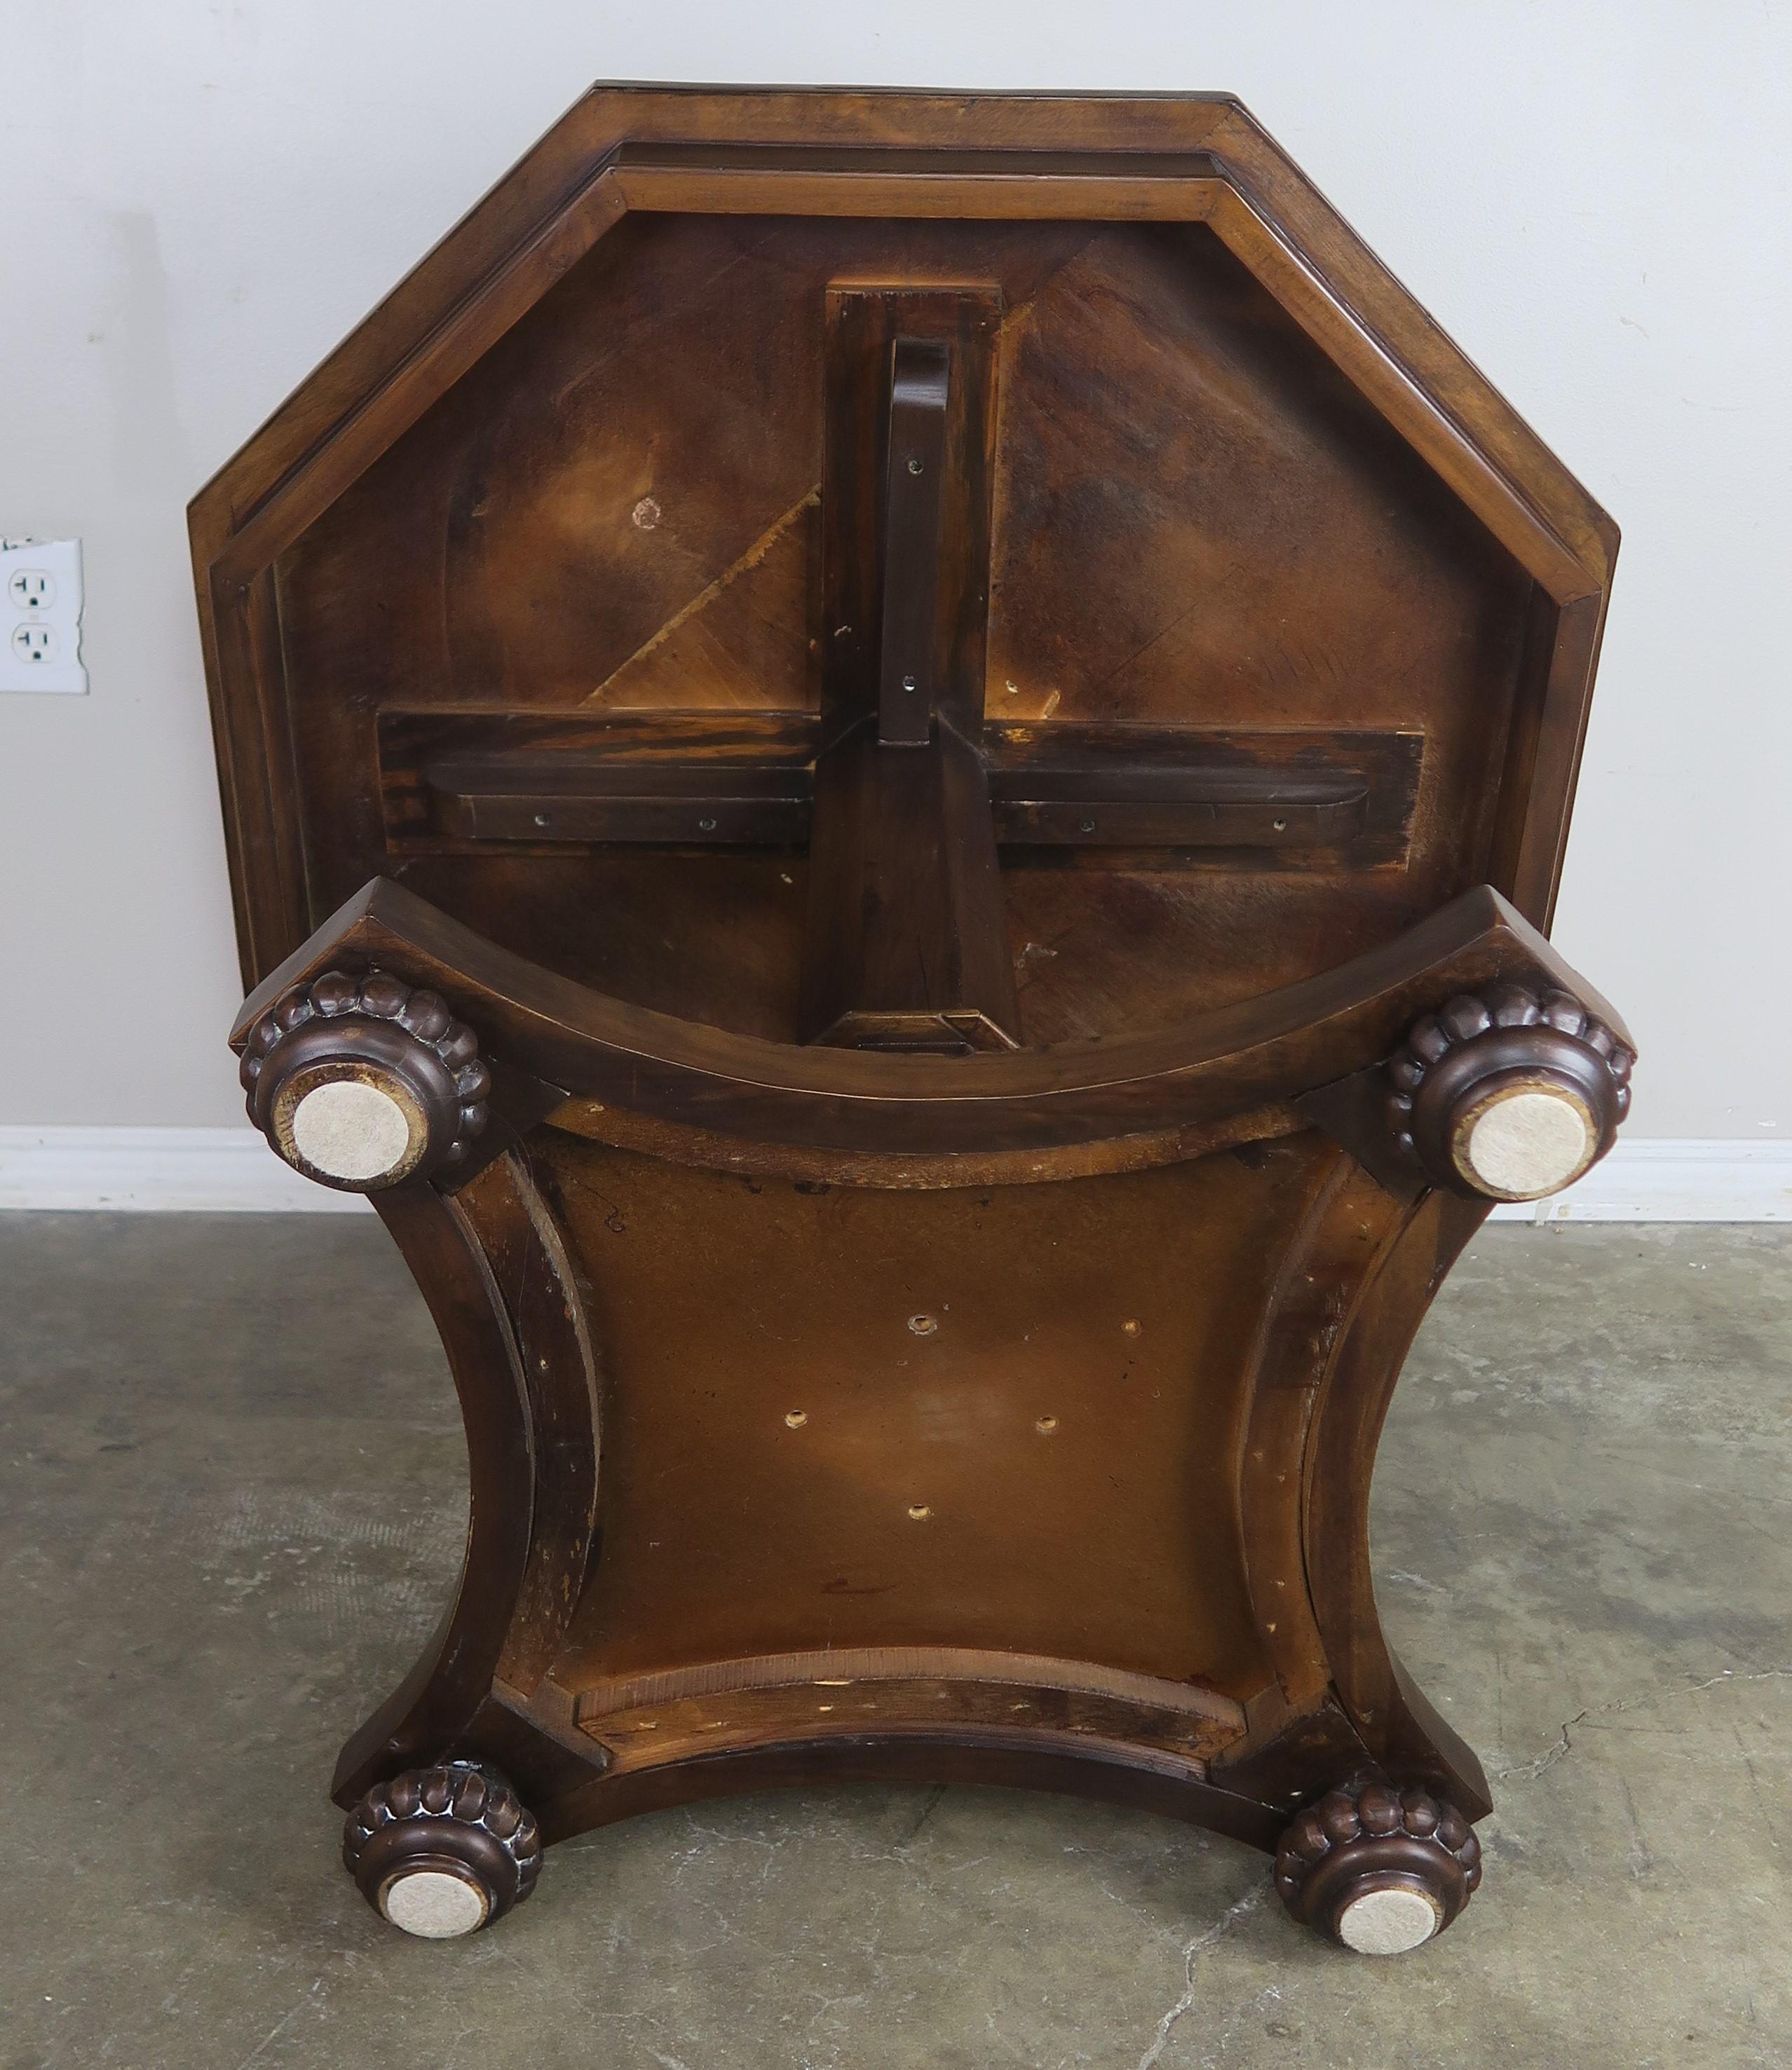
[
  {"x": 1675, "y": 1179},
  {"x": 232, "y": 1170},
  {"x": 204, "y": 1171}
]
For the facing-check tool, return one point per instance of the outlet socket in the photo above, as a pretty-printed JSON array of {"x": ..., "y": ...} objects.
[{"x": 40, "y": 616}]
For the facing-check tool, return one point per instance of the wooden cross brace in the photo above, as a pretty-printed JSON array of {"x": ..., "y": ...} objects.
[{"x": 902, "y": 791}]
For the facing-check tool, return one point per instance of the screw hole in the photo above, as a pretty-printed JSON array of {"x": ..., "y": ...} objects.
[
  {"x": 920, "y": 1512},
  {"x": 923, "y": 1326},
  {"x": 1045, "y": 1425},
  {"x": 796, "y": 1418}
]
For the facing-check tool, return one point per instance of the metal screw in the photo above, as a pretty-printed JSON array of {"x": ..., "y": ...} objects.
[
  {"x": 908, "y": 683},
  {"x": 1088, "y": 826},
  {"x": 541, "y": 818},
  {"x": 706, "y": 826},
  {"x": 914, "y": 467}
]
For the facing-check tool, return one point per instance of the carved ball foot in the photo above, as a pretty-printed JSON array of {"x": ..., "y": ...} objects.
[
  {"x": 362, "y": 1082},
  {"x": 1378, "y": 1871},
  {"x": 442, "y": 1851},
  {"x": 1511, "y": 1095}
]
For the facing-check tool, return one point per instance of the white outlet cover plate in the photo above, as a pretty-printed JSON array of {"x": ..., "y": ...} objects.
[{"x": 36, "y": 614}]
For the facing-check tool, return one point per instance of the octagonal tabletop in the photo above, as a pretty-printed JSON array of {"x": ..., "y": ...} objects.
[{"x": 569, "y": 480}]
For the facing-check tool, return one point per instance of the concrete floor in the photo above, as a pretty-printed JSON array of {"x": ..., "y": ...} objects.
[{"x": 230, "y": 1506}]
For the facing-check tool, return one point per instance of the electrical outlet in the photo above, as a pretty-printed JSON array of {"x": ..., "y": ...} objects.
[{"x": 40, "y": 616}]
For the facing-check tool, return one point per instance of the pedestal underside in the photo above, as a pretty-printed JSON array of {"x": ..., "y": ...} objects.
[
  {"x": 958, "y": 1463},
  {"x": 837, "y": 1418}
]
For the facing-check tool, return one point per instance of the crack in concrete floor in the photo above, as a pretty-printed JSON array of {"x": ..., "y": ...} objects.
[
  {"x": 1191, "y": 1954},
  {"x": 1563, "y": 1745}
]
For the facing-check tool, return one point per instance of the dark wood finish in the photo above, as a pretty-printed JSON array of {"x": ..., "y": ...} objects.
[
  {"x": 1077, "y": 1765},
  {"x": 704, "y": 1096},
  {"x": 1369, "y": 1838},
  {"x": 977, "y": 1154},
  {"x": 372, "y": 1030},
  {"x": 1399, "y": 552},
  {"x": 461, "y": 1821},
  {"x": 1169, "y": 1190},
  {"x": 1511, "y": 1038},
  {"x": 914, "y": 513},
  {"x": 1401, "y": 1120},
  {"x": 455, "y": 783},
  {"x": 906, "y": 947}
]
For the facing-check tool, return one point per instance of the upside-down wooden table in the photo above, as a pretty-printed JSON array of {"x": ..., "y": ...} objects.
[{"x": 894, "y": 767}]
